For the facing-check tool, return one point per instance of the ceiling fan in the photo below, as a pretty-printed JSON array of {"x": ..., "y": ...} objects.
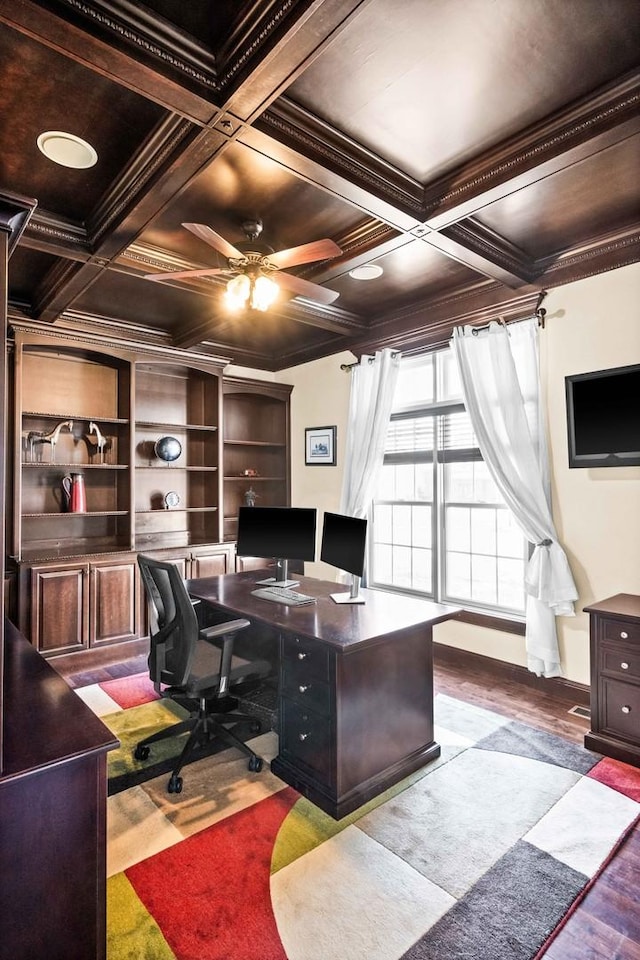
[{"x": 252, "y": 263}]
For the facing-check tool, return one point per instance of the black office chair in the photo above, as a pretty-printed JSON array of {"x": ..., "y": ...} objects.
[{"x": 195, "y": 667}]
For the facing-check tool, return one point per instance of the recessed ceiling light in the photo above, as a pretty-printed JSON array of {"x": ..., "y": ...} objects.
[
  {"x": 67, "y": 149},
  {"x": 368, "y": 271}
]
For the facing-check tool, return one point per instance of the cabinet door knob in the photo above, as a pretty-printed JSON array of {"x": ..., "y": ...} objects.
[
  {"x": 624, "y": 634},
  {"x": 624, "y": 666},
  {"x": 302, "y": 656},
  {"x": 303, "y": 687},
  {"x": 626, "y": 709},
  {"x": 303, "y": 736}
]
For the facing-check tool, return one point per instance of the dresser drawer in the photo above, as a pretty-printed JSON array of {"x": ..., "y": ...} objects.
[
  {"x": 305, "y": 737},
  {"x": 620, "y": 630},
  {"x": 313, "y": 655},
  {"x": 619, "y": 659},
  {"x": 299, "y": 683},
  {"x": 621, "y": 713}
]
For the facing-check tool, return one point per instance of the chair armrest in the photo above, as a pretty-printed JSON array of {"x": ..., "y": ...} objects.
[
  {"x": 219, "y": 629},
  {"x": 227, "y": 631}
]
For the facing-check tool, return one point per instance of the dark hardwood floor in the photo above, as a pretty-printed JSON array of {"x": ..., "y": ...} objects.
[{"x": 606, "y": 923}]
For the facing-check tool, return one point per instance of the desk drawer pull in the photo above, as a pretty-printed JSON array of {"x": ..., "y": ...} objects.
[
  {"x": 624, "y": 634},
  {"x": 303, "y": 687},
  {"x": 302, "y": 736},
  {"x": 626, "y": 709},
  {"x": 624, "y": 666},
  {"x": 302, "y": 656}
]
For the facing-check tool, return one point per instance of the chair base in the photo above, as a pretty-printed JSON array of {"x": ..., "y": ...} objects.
[{"x": 203, "y": 726}]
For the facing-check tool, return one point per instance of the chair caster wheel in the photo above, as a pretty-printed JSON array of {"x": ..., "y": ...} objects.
[
  {"x": 256, "y": 726},
  {"x": 174, "y": 785},
  {"x": 255, "y": 764},
  {"x": 141, "y": 753}
]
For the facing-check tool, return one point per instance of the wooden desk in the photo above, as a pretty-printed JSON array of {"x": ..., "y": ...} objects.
[
  {"x": 53, "y": 801},
  {"x": 356, "y": 686}
]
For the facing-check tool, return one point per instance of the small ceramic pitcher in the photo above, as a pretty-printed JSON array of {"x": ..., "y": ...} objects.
[{"x": 73, "y": 491}]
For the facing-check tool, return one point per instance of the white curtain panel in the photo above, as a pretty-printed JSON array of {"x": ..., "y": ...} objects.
[
  {"x": 499, "y": 371},
  {"x": 373, "y": 383}
]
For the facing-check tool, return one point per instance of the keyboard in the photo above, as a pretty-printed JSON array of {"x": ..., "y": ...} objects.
[{"x": 282, "y": 595}]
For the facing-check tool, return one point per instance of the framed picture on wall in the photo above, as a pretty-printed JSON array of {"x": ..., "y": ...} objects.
[{"x": 320, "y": 446}]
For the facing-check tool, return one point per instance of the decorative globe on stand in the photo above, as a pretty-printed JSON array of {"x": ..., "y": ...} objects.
[{"x": 168, "y": 448}]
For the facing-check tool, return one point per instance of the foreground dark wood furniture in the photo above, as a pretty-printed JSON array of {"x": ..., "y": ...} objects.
[
  {"x": 53, "y": 791},
  {"x": 356, "y": 686},
  {"x": 615, "y": 678}
]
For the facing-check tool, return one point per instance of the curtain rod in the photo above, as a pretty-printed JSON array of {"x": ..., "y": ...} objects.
[
  {"x": 349, "y": 366},
  {"x": 539, "y": 312}
]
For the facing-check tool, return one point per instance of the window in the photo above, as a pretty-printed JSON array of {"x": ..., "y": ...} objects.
[{"x": 440, "y": 527}]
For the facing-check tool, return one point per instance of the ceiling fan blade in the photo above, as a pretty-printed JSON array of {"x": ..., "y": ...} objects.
[
  {"x": 214, "y": 240},
  {"x": 184, "y": 274},
  {"x": 303, "y": 288},
  {"x": 306, "y": 253}
]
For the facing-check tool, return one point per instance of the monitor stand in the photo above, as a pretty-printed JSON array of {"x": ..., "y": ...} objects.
[
  {"x": 354, "y": 596},
  {"x": 281, "y": 578}
]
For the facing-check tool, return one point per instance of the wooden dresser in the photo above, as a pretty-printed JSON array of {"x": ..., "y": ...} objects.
[{"x": 615, "y": 678}]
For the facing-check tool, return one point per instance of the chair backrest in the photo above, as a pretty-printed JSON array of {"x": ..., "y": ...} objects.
[{"x": 173, "y": 623}]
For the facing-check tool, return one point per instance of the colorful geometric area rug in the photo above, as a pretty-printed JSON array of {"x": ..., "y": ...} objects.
[{"x": 477, "y": 856}]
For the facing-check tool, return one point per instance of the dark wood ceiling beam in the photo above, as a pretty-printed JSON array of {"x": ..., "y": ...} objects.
[
  {"x": 61, "y": 285},
  {"x": 312, "y": 169},
  {"x": 56, "y": 236},
  {"x": 615, "y": 250},
  {"x": 573, "y": 135},
  {"x": 323, "y": 155},
  {"x": 90, "y": 36},
  {"x": 484, "y": 251},
  {"x": 284, "y": 39}
]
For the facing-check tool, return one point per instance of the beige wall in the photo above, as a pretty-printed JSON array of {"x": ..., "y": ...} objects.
[{"x": 590, "y": 325}]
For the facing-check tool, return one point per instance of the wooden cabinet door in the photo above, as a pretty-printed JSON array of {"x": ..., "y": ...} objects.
[
  {"x": 212, "y": 564},
  {"x": 59, "y": 607},
  {"x": 115, "y": 602}
]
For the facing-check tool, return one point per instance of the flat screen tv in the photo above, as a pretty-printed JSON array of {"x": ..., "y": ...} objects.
[
  {"x": 603, "y": 417},
  {"x": 279, "y": 533},
  {"x": 343, "y": 546}
]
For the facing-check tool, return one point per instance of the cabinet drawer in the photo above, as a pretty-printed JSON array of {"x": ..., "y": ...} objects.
[
  {"x": 621, "y": 712},
  {"x": 314, "y": 656},
  {"x": 306, "y": 738},
  {"x": 300, "y": 684},
  {"x": 620, "y": 659},
  {"x": 620, "y": 630}
]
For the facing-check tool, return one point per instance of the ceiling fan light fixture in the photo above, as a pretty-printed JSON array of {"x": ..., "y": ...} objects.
[
  {"x": 366, "y": 271},
  {"x": 67, "y": 149},
  {"x": 264, "y": 294},
  {"x": 258, "y": 293}
]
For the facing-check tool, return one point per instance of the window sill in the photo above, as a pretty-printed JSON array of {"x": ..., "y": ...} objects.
[{"x": 491, "y": 622}]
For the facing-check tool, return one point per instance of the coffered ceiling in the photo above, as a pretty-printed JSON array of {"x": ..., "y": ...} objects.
[{"x": 479, "y": 151}]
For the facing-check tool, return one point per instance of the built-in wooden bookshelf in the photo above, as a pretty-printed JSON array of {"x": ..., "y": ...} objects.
[{"x": 84, "y": 406}]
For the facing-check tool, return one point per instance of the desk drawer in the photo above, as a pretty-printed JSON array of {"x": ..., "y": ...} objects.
[
  {"x": 621, "y": 709},
  {"x": 305, "y": 737},
  {"x": 313, "y": 655},
  {"x": 620, "y": 659},
  {"x": 299, "y": 683},
  {"x": 620, "y": 630}
]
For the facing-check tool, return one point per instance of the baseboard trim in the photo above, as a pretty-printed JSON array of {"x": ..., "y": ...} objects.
[{"x": 577, "y": 693}]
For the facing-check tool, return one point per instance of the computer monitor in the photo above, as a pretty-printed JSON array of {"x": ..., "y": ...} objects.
[
  {"x": 343, "y": 546},
  {"x": 281, "y": 533}
]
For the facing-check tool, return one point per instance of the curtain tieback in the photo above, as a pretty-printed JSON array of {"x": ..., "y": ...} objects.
[{"x": 544, "y": 543}]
